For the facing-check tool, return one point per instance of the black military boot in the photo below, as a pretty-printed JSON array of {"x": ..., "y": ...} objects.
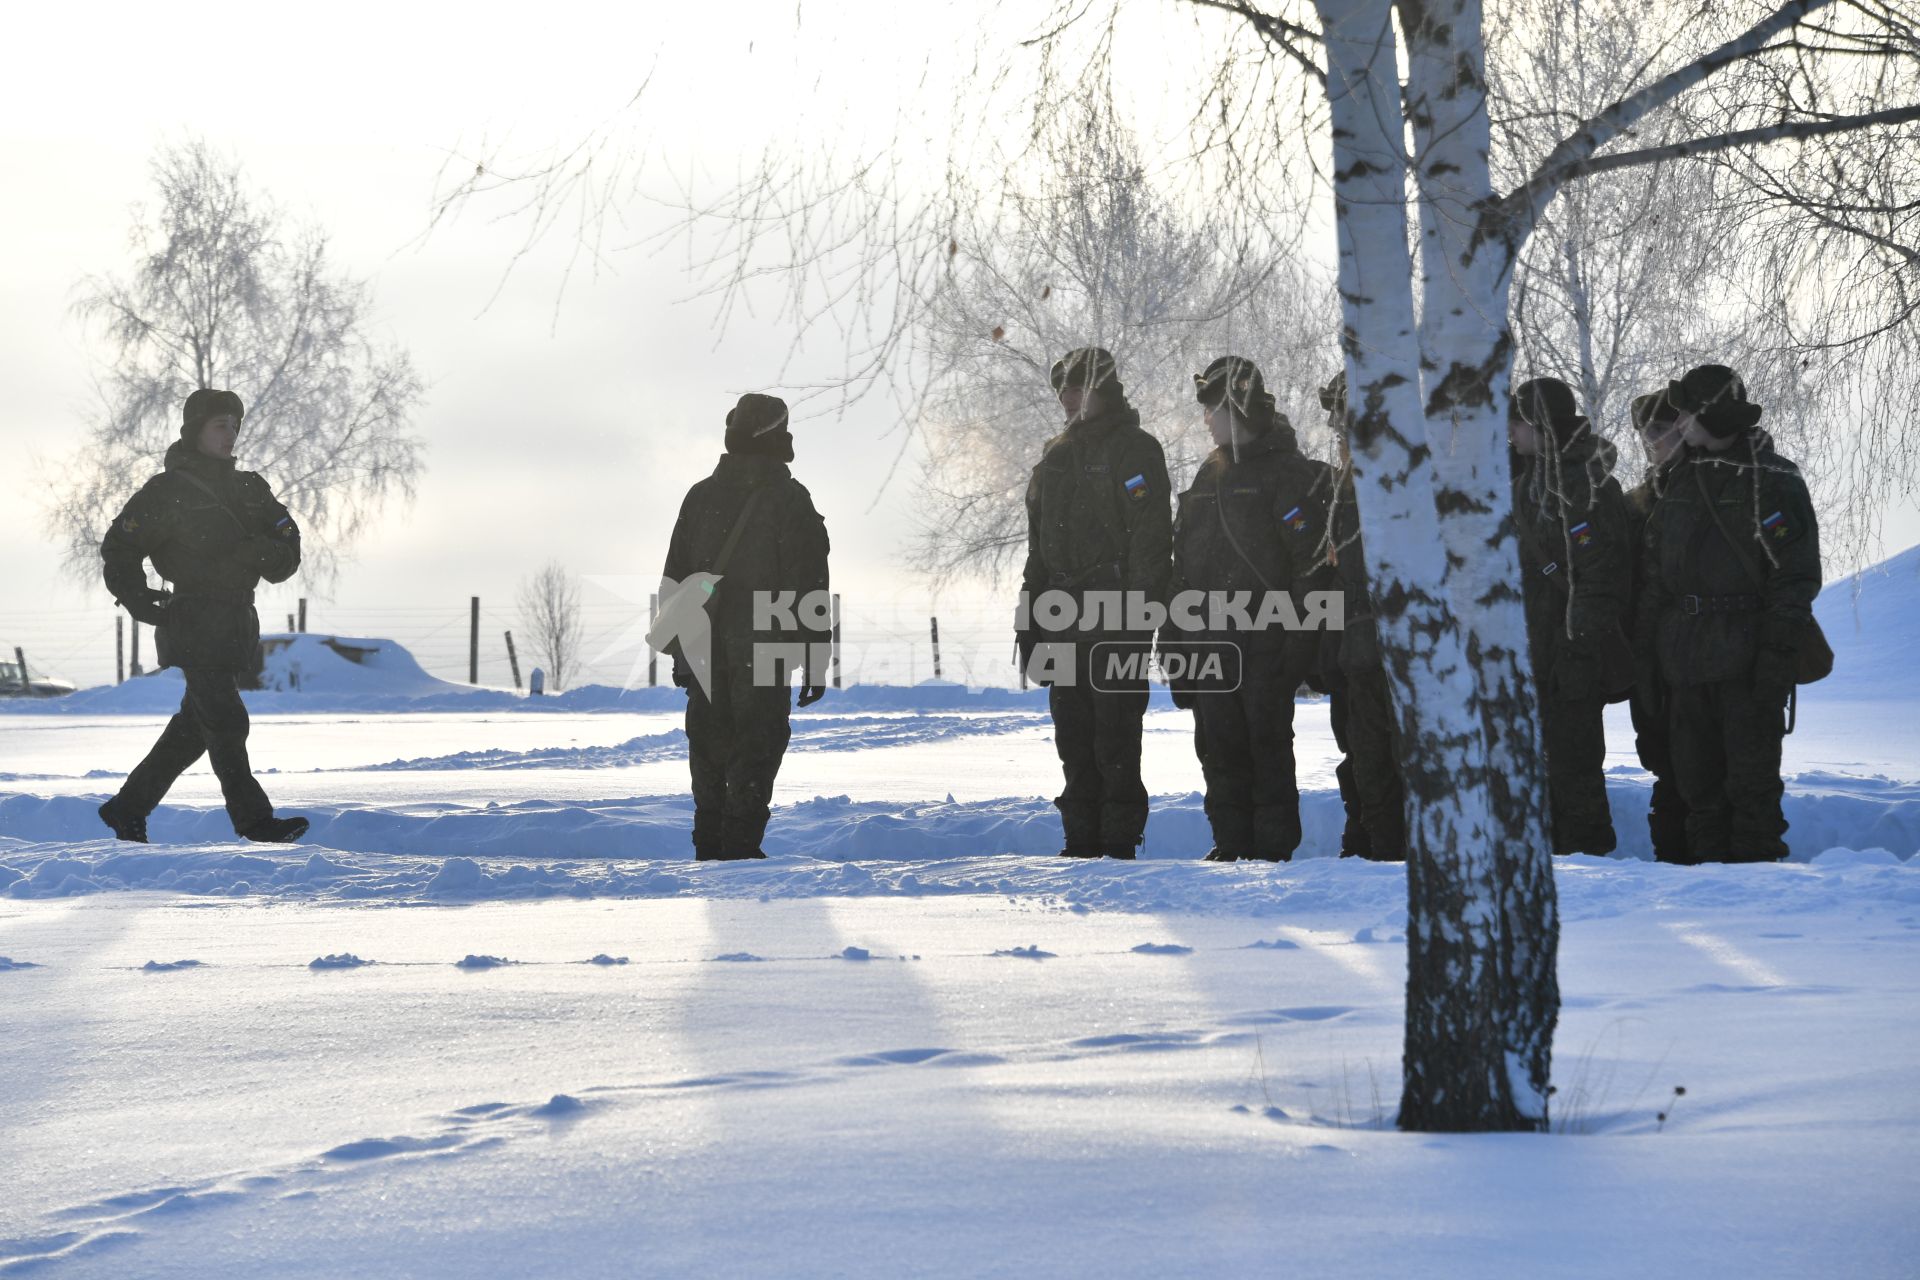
[
  {"x": 276, "y": 830},
  {"x": 125, "y": 825},
  {"x": 1077, "y": 850},
  {"x": 1267, "y": 857},
  {"x": 738, "y": 855},
  {"x": 1125, "y": 852},
  {"x": 1220, "y": 855}
]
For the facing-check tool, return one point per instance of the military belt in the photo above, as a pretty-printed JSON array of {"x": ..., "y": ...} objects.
[
  {"x": 218, "y": 594},
  {"x": 1694, "y": 606}
]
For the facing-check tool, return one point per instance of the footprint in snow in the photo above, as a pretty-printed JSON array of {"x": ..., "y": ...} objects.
[
  {"x": 604, "y": 959},
  {"x": 1026, "y": 953},
  {"x": 482, "y": 962},
  {"x": 1162, "y": 949},
  {"x": 893, "y": 1058},
  {"x": 344, "y": 960},
  {"x": 1303, "y": 1013},
  {"x": 1278, "y": 944},
  {"x": 168, "y": 966},
  {"x": 740, "y": 957}
]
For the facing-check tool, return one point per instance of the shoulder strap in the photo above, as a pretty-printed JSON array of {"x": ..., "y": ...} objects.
[
  {"x": 207, "y": 489},
  {"x": 1739, "y": 552},
  {"x": 733, "y": 535},
  {"x": 1220, "y": 508}
]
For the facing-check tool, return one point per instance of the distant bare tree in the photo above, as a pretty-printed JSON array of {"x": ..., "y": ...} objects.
[
  {"x": 1089, "y": 248},
  {"x": 227, "y": 292},
  {"x": 1759, "y": 260},
  {"x": 550, "y": 619}
]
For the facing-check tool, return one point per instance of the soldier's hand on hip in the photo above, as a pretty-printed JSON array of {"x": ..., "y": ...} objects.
[{"x": 810, "y": 694}]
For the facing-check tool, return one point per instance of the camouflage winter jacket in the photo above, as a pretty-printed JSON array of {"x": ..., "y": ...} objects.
[
  {"x": 782, "y": 548},
  {"x": 1707, "y": 610},
  {"x": 1576, "y": 567},
  {"x": 213, "y": 532},
  {"x": 1099, "y": 512},
  {"x": 1254, "y": 520}
]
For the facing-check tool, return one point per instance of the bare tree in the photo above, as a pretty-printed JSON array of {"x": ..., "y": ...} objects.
[
  {"x": 227, "y": 292},
  {"x": 1081, "y": 245},
  {"x": 1631, "y": 276},
  {"x": 1428, "y": 235},
  {"x": 550, "y": 619}
]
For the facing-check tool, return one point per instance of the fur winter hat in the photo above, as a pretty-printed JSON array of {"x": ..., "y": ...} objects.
[
  {"x": 1654, "y": 409},
  {"x": 1717, "y": 399},
  {"x": 1334, "y": 394},
  {"x": 208, "y": 403},
  {"x": 1548, "y": 404},
  {"x": 758, "y": 424},
  {"x": 1090, "y": 367}
]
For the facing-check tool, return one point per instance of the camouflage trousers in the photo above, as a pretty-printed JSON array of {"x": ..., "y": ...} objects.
[
  {"x": 1575, "y": 734},
  {"x": 1096, "y": 731},
  {"x": 1653, "y": 743},
  {"x": 212, "y": 721},
  {"x": 1244, "y": 739},
  {"x": 737, "y": 735},
  {"x": 1726, "y": 760},
  {"x": 1369, "y": 771}
]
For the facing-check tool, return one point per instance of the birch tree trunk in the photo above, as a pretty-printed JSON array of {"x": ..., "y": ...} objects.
[
  {"x": 1466, "y": 347},
  {"x": 1449, "y": 616}
]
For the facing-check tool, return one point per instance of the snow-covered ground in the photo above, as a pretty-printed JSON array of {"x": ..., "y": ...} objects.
[{"x": 905, "y": 1044}]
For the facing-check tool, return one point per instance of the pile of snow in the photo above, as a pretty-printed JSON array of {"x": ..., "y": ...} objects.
[
  {"x": 308, "y": 673},
  {"x": 1871, "y": 622}
]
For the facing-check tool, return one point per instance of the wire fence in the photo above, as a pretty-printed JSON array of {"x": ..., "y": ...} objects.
[{"x": 881, "y": 641}]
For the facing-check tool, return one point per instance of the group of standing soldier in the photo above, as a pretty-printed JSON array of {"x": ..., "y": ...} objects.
[{"x": 1691, "y": 596}]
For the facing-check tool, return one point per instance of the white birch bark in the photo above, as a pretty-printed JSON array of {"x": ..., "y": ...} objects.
[
  {"x": 1459, "y": 1063},
  {"x": 1467, "y": 251}
]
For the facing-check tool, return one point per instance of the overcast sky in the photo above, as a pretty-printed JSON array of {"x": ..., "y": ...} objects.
[{"x": 558, "y": 426}]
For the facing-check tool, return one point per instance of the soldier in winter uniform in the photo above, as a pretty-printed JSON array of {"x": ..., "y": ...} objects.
[
  {"x": 752, "y": 528},
  {"x": 1361, "y": 704},
  {"x": 1099, "y": 521},
  {"x": 1254, "y": 522},
  {"x": 1732, "y": 566},
  {"x": 1657, "y": 423},
  {"x": 1576, "y": 570},
  {"x": 213, "y": 532}
]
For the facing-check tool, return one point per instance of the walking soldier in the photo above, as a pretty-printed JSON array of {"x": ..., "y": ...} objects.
[{"x": 213, "y": 532}]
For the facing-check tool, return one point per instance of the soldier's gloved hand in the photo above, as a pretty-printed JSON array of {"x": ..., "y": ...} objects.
[
  {"x": 810, "y": 694},
  {"x": 149, "y": 607},
  {"x": 1773, "y": 674},
  {"x": 682, "y": 674}
]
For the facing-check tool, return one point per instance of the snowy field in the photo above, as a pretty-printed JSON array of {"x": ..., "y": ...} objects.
[{"x": 905, "y": 1044}]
